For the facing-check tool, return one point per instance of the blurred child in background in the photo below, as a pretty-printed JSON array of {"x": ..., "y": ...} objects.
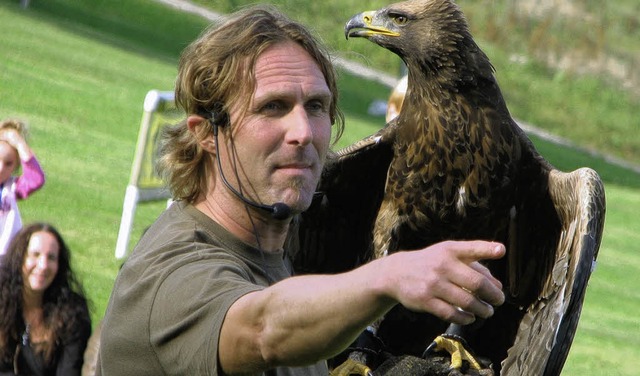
[{"x": 15, "y": 152}]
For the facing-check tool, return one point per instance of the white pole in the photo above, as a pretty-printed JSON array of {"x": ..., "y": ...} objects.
[{"x": 128, "y": 210}]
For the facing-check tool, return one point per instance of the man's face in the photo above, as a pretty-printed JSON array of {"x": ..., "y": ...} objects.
[{"x": 281, "y": 142}]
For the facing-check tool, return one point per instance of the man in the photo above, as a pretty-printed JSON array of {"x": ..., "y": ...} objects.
[{"x": 208, "y": 291}]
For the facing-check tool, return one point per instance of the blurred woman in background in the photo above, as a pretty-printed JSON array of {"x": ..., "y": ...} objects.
[{"x": 44, "y": 316}]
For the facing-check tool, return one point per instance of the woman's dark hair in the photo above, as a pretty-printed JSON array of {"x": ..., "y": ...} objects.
[{"x": 64, "y": 307}]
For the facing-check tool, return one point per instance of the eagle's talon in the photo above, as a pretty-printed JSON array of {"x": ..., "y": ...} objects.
[
  {"x": 430, "y": 350},
  {"x": 351, "y": 367},
  {"x": 454, "y": 345}
]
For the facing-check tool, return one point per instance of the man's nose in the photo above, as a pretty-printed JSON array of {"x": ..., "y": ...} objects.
[{"x": 299, "y": 130}]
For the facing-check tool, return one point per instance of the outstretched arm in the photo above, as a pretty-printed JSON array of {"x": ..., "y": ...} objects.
[{"x": 304, "y": 319}]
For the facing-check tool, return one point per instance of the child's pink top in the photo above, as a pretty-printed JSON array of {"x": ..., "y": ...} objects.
[{"x": 31, "y": 180}]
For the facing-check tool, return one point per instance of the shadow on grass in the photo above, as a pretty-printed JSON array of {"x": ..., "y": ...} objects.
[
  {"x": 568, "y": 159},
  {"x": 151, "y": 29}
]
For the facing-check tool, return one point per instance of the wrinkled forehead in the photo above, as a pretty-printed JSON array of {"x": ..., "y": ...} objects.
[
  {"x": 280, "y": 66},
  {"x": 285, "y": 65}
]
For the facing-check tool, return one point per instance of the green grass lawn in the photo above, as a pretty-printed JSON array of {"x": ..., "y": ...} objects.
[{"x": 78, "y": 71}]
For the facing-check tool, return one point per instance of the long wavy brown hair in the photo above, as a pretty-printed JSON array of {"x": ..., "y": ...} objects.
[{"x": 64, "y": 304}]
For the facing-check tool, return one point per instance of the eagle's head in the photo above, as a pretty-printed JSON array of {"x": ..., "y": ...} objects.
[{"x": 431, "y": 36}]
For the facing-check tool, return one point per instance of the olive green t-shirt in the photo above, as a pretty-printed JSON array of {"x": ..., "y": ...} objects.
[{"x": 171, "y": 296}]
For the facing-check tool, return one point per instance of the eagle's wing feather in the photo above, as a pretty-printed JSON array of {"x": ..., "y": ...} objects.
[
  {"x": 335, "y": 233},
  {"x": 549, "y": 324}
]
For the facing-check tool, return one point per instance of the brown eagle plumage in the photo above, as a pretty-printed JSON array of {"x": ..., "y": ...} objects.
[{"x": 455, "y": 165}]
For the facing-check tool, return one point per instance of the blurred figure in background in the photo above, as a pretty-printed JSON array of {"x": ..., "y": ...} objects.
[
  {"x": 15, "y": 152},
  {"x": 395, "y": 99},
  {"x": 44, "y": 316}
]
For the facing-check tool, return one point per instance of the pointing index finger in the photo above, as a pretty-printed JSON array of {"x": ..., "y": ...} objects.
[{"x": 477, "y": 250}]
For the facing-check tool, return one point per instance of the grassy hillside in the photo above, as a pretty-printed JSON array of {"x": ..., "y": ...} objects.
[{"x": 78, "y": 71}]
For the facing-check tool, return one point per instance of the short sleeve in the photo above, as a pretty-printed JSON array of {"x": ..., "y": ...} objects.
[{"x": 188, "y": 311}]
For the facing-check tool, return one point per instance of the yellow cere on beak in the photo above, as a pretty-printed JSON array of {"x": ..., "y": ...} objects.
[
  {"x": 367, "y": 18},
  {"x": 360, "y": 26}
]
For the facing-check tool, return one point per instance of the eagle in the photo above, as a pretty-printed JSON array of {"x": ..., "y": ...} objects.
[{"x": 454, "y": 165}]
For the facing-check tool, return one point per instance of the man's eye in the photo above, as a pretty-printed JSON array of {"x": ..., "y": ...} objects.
[
  {"x": 317, "y": 106},
  {"x": 272, "y": 107}
]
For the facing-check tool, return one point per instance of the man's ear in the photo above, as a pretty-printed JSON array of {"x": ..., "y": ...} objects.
[{"x": 199, "y": 126}]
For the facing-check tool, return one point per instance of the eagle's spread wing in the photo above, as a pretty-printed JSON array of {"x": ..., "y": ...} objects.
[{"x": 546, "y": 331}]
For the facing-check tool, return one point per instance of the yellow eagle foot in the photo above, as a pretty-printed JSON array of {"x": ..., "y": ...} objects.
[
  {"x": 454, "y": 345},
  {"x": 351, "y": 367}
]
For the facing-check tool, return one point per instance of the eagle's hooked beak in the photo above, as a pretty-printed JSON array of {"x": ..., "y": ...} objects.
[{"x": 362, "y": 25}]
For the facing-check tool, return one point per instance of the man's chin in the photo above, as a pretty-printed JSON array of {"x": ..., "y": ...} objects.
[{"x": 299, "y": 203}]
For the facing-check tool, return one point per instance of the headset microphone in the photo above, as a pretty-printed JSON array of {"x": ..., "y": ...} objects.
[{"x": 279, "y": 210}]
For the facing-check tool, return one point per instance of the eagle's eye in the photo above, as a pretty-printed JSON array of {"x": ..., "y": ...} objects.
[{"x": 399, "y": 19}]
